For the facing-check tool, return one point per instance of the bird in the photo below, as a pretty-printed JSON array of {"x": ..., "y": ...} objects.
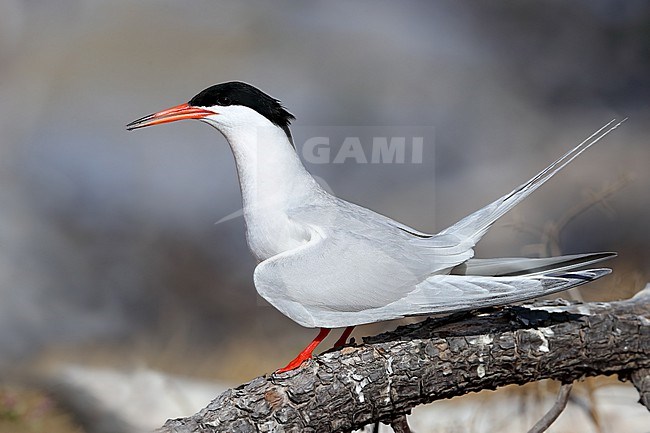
[{"x": 328, "y": 263}]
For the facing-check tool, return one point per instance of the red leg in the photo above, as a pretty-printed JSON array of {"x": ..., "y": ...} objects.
[
  {"x": 344, "y": 337},
  {"x": 307, "y": 351}
]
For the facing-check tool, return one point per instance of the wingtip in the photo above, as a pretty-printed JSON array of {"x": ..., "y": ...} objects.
[
  {"x": 605, "y": 255},
  {"x": 586, "y": 275},
  {"x": 601, "y": 272}
]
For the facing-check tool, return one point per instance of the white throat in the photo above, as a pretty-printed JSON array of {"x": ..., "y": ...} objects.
[{"x": 273, "y": 180}]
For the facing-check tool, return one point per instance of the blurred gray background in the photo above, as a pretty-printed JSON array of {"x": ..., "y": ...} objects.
[{"x": 109, "y": 251}]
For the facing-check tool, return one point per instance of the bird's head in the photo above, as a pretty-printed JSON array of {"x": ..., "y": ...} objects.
[{"x": 225, "y": 106}]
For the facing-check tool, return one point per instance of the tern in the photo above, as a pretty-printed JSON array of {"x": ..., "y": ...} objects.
[{"x": 327, "y": 263}]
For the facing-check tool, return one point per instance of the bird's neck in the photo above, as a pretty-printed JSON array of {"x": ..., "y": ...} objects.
[
  {"x": 271, "y": 175},
  {"x": 273, "y": 181}
]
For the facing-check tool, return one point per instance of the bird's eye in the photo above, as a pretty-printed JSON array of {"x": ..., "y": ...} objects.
[{"x": 224, "y": 100}]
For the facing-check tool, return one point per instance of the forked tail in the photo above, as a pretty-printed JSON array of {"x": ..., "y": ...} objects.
[{"x": 476, "y": 224}]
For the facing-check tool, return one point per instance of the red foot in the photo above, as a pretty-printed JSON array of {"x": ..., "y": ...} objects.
[
  {"x": 307, "y": 351},
  {"x": 344, "y": 337}
]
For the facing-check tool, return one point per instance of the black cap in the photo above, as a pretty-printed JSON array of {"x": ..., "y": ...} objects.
[{"x": 238, "y": 93}]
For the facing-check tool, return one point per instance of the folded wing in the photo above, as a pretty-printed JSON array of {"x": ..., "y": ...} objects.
[{"x": 334, "y": 282}]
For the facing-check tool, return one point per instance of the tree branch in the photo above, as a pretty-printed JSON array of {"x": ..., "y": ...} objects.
[{"x": 437, "y": 359}]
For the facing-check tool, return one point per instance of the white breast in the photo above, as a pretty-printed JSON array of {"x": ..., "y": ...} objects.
[{"x": 270, "y": 232}]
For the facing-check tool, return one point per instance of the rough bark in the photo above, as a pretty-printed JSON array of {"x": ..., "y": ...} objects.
[{"x": 436, "y": 359}]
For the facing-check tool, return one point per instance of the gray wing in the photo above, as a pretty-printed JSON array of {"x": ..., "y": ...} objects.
[
  {"x": 339, "y": 279},
  {"x": 322, "y": 285}
]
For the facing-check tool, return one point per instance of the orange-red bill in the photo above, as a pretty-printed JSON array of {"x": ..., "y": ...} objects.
[{"x": 179, "y": 112}]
